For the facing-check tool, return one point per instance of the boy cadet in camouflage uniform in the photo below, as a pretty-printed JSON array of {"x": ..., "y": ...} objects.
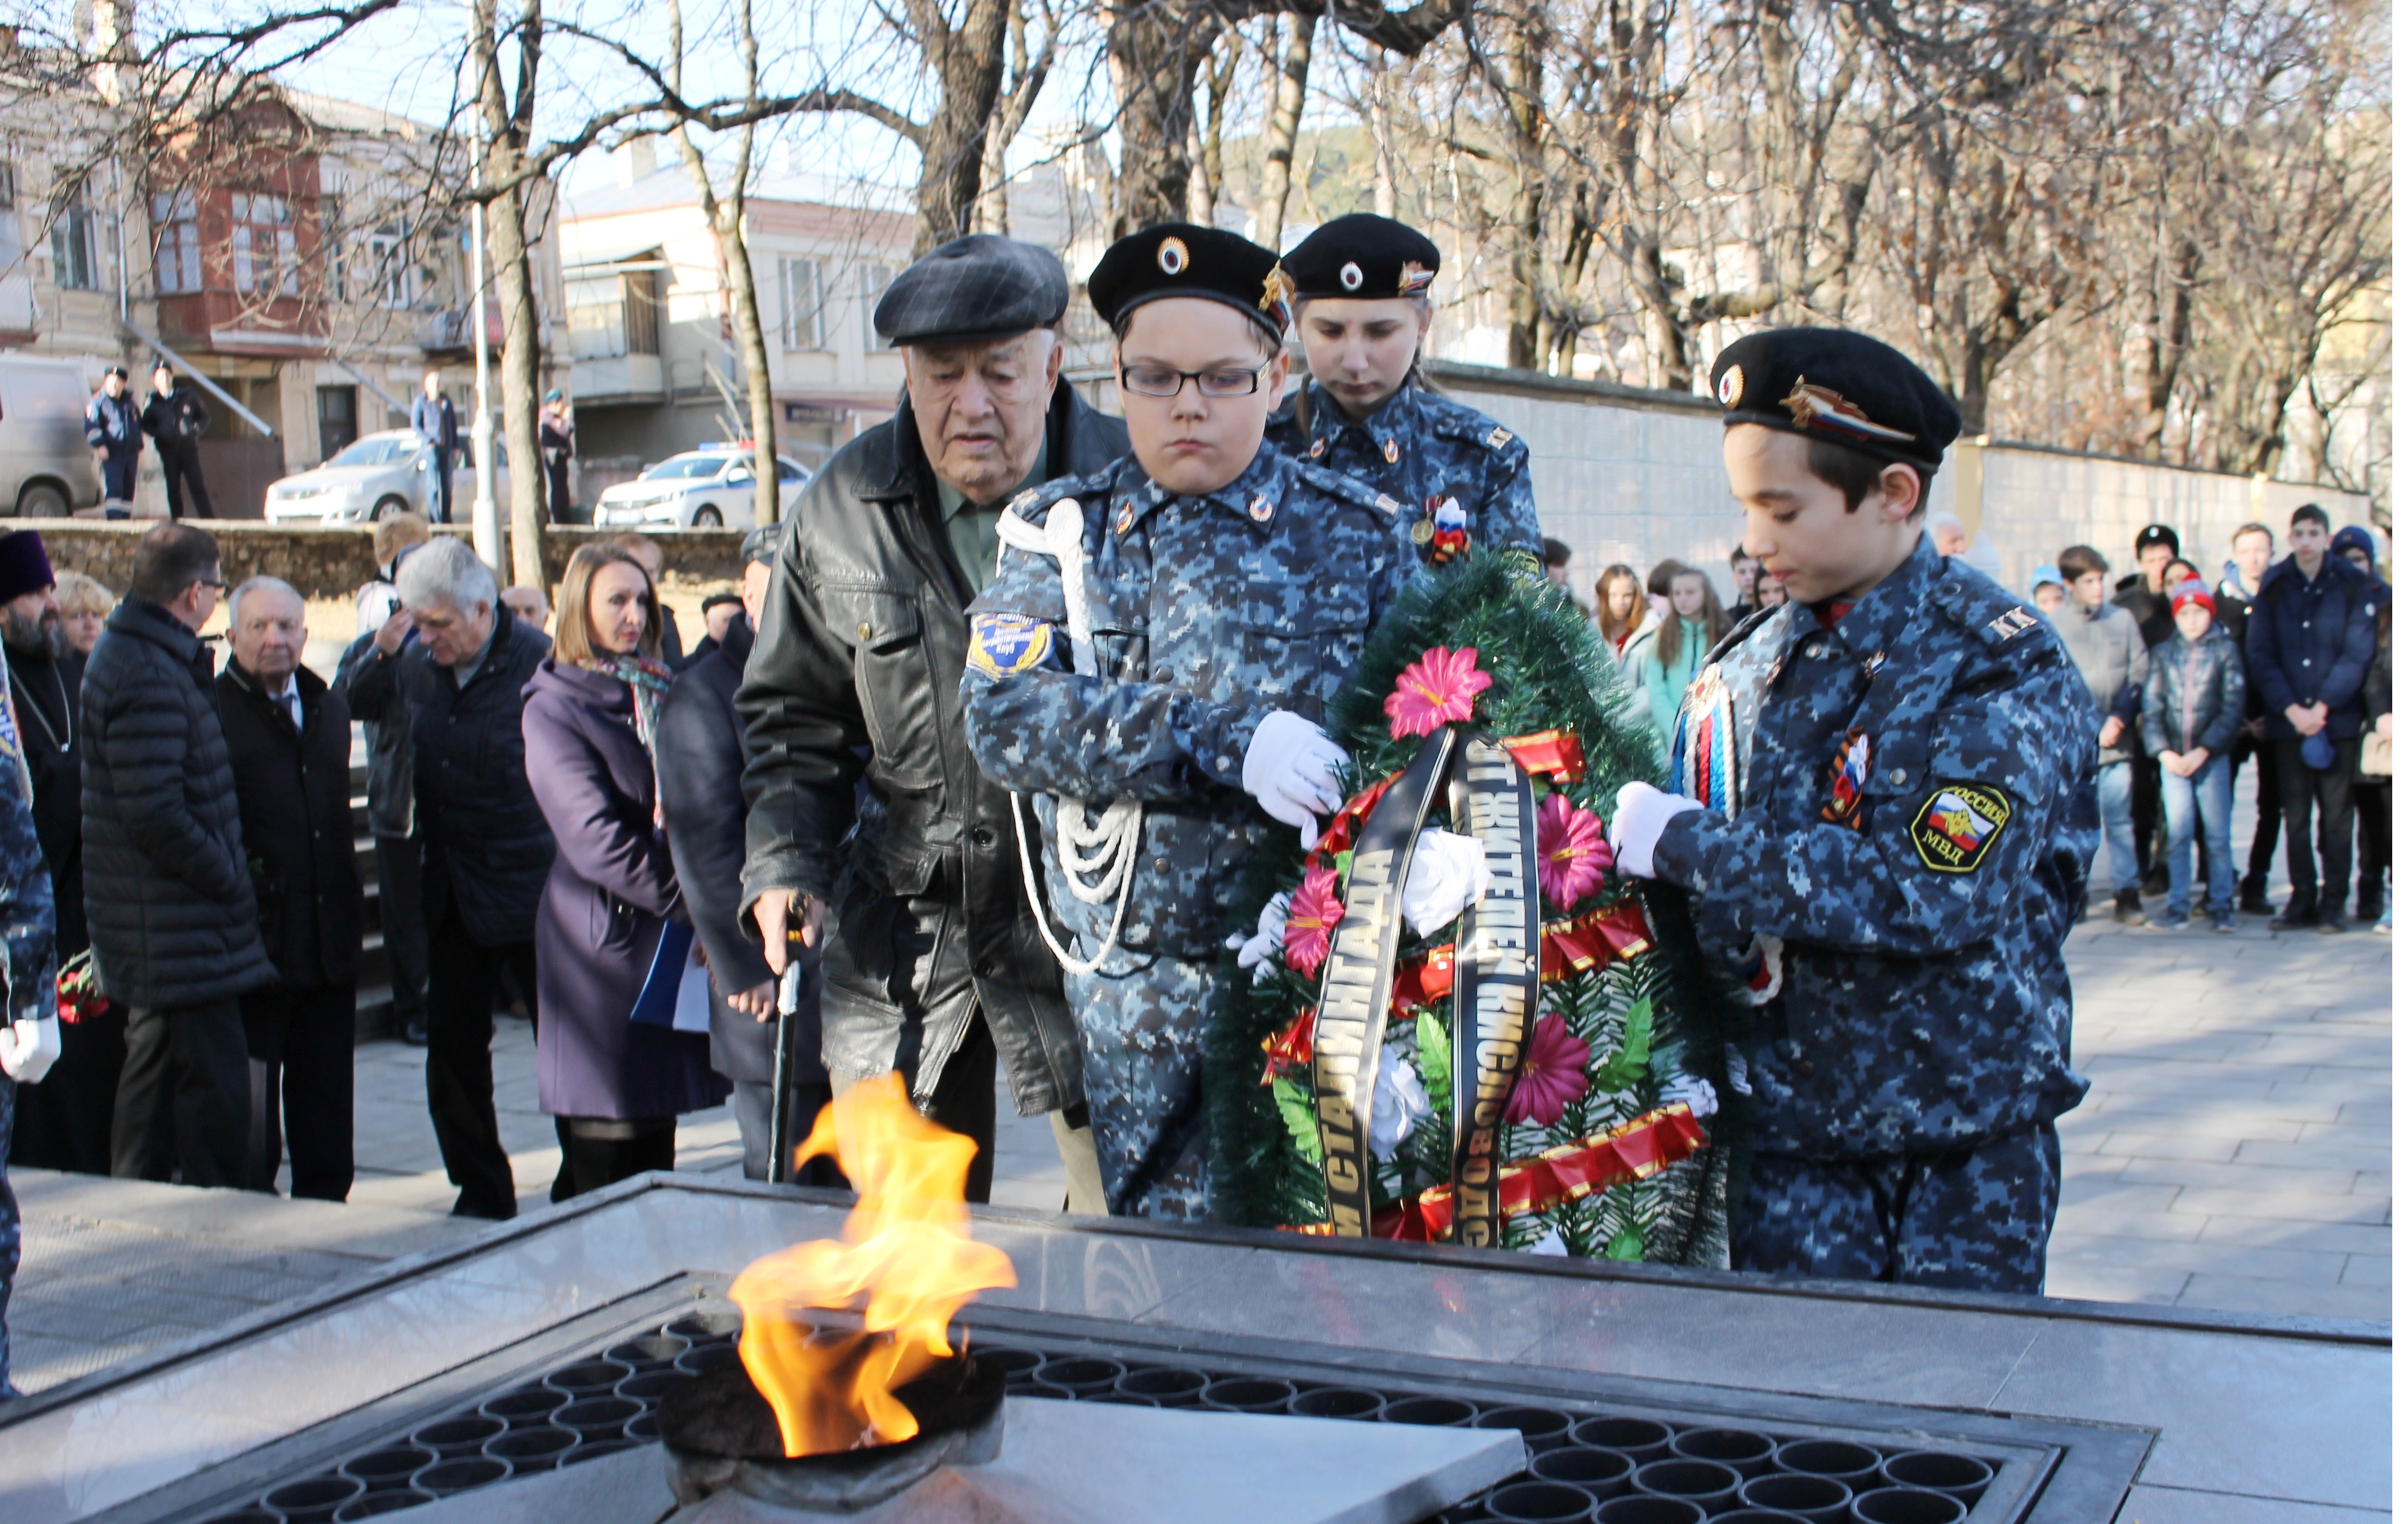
[
  {"x": 1227, "y": 590},
  {"x": 1363, "y": 309},
  {"x": 29, "y": 1027},
  {"x": 1915, "y": 824}
]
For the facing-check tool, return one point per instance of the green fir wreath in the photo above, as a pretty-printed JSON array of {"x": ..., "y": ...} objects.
[{"x": 1630, "y": 1028}]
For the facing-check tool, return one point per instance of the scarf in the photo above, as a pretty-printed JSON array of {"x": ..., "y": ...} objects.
[{"x": 646, "y": 680}]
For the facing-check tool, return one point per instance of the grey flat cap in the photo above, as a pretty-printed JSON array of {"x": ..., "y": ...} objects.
[
  {"x": 974, "y": 288},
  {"x": 761, "y": 544}
]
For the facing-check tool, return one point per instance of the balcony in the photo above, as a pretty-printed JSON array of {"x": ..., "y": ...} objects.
[{"x": 617, "y": 379}]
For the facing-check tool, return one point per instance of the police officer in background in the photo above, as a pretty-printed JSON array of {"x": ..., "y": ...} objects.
[
  {"x": 931, "y": 962},
  {"x": 1914, "y": 826},
  {"x": 1226, "y": 588},
  {"x": 176, "y": 419},
  {"x": 112, "y": 426},
  {"x": 1363, "y": 308}
]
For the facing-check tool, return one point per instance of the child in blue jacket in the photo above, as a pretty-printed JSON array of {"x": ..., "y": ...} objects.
[{"x": 2191, "y": 712}]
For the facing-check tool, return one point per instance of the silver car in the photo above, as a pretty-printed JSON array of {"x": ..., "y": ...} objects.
[
  {"x": 702, "y": 489},
  {"x": 378, "y": 476},
  {"x": 46, "y": 469}
]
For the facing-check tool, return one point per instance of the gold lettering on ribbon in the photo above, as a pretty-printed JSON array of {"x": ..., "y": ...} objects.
[{"x": 1495, "y": 980}]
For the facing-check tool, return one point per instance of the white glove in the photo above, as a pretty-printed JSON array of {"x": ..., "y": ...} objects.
[
  {"x": 1697, "y": 1093},
  {"x": 1641, "y": 813},
  {"x": 1450, "y": 874},
  {"x": 1292, "y": 771},
  {"x": 1267, "y": 949},
  {"x": 28, "y": 1049}
]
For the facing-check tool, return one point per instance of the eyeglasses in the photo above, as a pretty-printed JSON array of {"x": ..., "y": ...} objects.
[
  {"x": 1163, "y": 382},
  {"x": 207, "y": 583}
]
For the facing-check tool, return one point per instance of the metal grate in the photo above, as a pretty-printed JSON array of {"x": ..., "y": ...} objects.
[{"x": 1590, "y": 1461}]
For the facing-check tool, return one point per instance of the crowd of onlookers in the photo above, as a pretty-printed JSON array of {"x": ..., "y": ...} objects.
[
  {"x": 197, "y": 819},
  {"x": 2285, "y": 663}
]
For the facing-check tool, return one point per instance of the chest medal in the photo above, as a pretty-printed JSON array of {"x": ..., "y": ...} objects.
[{"x": 1442, "y": 531}]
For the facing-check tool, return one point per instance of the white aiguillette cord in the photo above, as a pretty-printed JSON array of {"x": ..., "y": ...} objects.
[{"x": 1101, "y": 846}]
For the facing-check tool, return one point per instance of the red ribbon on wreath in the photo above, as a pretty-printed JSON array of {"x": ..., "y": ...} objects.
[
  {"x": 1554, "y": 755},
  {"x": 1349, "y": 819},
  {"x": 1646, "y": 1146},
  {"x": 1574, "y": 947}
]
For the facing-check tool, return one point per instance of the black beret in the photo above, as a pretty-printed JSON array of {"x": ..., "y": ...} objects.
[
  {"x": 1180, "y": 259},
  {"x": 2157, "y": 534},
  {"x": 1364, "y": 256},
  {"x": 974, "y": 288},
  {"x": 1836, "y": 384}
]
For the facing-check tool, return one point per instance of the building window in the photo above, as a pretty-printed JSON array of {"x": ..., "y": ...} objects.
[
  {"x": 330, "y": 240},
  {"x": 339, "y": 420},
  {"x": 640, "y": 292},
  {"x": 263, "y": 252},
  {"x": 874, "y": 278},
  {"x": 612, "y": 315},
  {"x": 390, "y": 275},
  {"x": 802, "y": 303},
  {"x": 175, "y": 223},
  {"x": 75, "y": 247}
]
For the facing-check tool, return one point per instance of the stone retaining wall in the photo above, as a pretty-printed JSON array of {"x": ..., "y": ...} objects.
[{"x": 333, "y": 562}]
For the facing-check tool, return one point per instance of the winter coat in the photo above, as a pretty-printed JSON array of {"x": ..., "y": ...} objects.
[
  {"x": 485, "y": 840},
  {"x": 1665, "y": 687},
  {"x": 167, "y": 895},
  {"x": 392, "y": 787},
  {"x": 855, "y": 678},
  {"x": 2153, "y": 612},
  {"x": 701, "y": 749},
  {"x": 610, "y": 890},
  {"x": 2196, "y": 696},
  {"x": 113, "y": 424},
  {"x": 174, "y": 417},
  {"x": 2310, "y": 642},
  {"x": 435, "y": 422},
  {"x": 2113, "y": 661},
  {"x": 48, "y": 694},
  {"x": 295, "y": 789}
]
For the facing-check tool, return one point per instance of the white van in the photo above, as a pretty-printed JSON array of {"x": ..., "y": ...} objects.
[{"x": 46, "y": 469}]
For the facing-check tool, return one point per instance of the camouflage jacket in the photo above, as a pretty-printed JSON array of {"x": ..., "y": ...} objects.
[
  {"x": 1208, "y": 613},
  {"x": 1916, "y": 826},
  {"x": 28, "y": 922},
  {"x": 1420, "y": 450}
]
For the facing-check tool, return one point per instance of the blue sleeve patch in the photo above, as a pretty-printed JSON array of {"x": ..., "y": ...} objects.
[{"x": 1005, "y": 645}]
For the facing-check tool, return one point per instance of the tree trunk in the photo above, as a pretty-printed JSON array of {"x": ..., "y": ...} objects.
[
  {"x": 1153, "y": 57},
  {"x": 1279, "y": 129},
  {"x": 507, "y": 121},
  {"x": 1525, "y": 110},
  {"x": 968, "y": 64}
]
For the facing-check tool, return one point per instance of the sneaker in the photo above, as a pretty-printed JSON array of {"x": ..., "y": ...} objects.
[
  {"x": 2173, "y": 921},
  {"x": 2221, "y": 920},
  {"x": 2127, "y": 907},
  {"x": 2253, "y": 898}
]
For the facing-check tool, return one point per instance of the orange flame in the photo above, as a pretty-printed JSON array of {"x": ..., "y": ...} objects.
[{"x": 906, "y": 1264}]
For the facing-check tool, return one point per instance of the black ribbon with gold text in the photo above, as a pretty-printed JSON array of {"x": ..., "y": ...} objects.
[{"x": 1495, "y": 974}]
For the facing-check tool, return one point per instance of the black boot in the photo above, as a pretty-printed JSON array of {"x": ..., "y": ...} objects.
[
  {"x": 2127, "y": 907},
  {"x": 2299, "y": 915},
  {"x": 2369, "y": 900},
  {"x": 2253, "y": 898}
]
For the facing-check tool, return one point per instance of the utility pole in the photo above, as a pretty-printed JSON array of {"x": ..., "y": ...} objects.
[{"x": 485, "y": 518}]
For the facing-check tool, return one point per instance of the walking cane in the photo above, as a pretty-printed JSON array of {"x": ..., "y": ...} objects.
[{"x": 781, "y": 1095}]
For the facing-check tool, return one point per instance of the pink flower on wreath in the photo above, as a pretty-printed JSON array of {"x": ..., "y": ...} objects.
[
  {"x": 1555, "y": 1073},
  {"x": 1312, "y": 913},
  {"x": 1436, "y": 690},
  {"x": 1573, "y": 853}
]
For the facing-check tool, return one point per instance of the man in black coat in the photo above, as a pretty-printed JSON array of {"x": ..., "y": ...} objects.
[
  {"x": 487, "y": 848},
  {"x": 168, "y": 896},
  {"x": 176, "y": 418},
  {"x": 291, "y": 739},
  {"x": 61, "y": 1123},
  {"x": 701, "y": 755},
  {"x": 933, "y": 963}
]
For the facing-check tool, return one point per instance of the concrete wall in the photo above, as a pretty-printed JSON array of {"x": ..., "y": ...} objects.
[
  {"x": 335, "y": 563},
  {"x": 1633, "y": 475}
]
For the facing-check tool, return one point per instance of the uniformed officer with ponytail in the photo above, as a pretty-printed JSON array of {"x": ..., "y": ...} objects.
[{"x": 1363, "y": 309}]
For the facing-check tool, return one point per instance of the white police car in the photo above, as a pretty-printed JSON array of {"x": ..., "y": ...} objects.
[{"x": 702, "y": 489}]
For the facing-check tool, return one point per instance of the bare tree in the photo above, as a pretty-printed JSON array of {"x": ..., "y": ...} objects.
[{"x": 1294, "y": 67}]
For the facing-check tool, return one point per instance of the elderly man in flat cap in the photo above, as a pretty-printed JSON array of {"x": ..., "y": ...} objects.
[{"x": 930, "y": 955}]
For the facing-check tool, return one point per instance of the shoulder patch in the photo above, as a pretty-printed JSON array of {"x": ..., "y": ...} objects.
[
  {"x": 1004, "y": 645},
  {"x": 2014, "y": 621},
  {"x": 1955, "y": 829},
  {"x": 1499, "y": 437}
]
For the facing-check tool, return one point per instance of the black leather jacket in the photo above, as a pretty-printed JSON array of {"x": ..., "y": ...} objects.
[{"x": 855, "y": 678}]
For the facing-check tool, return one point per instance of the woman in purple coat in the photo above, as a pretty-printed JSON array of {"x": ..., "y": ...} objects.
[{"x": 617, "y": 1086}]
